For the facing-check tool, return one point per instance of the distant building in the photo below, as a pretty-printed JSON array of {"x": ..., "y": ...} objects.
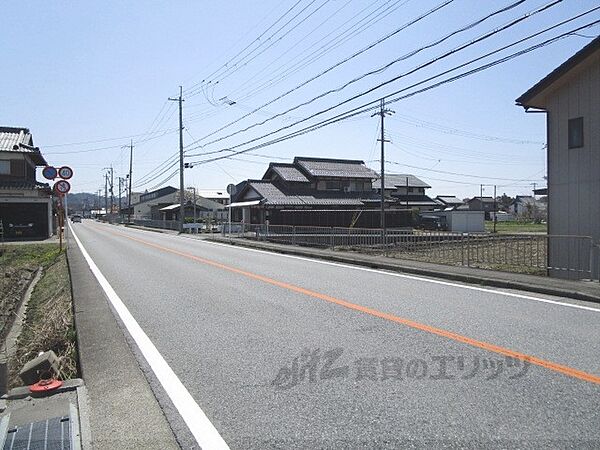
[
  {"x": 407, "y": 190},
  {"x": 527, "y": 206},
  {"x": 485, "y": 204},
  {"x": 216, "y": 195},
  {"x": 448, "y": 201},
  {"x": 150, "y": 203},
  {"x": 570, "y": 96},
  {"x": 314, "y": 191},
  {"x": 25, "y": 204}
]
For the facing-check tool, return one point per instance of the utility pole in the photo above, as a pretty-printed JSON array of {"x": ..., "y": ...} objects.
[
  {"x": 122, "y": 185},
  {"x": 105, "y": 194},
  {"x": 112, "y": 190},
  {"x": 495, "y": 209},
  {"x": 130, "y": 170},
  {"x": 181, "y": 191},
  {"x": 382, "y": 112}
]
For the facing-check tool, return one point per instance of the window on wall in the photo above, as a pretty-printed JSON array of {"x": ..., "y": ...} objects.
[
  {"x": 4, "y": 167},
  {"x": 576, "y": 132}
]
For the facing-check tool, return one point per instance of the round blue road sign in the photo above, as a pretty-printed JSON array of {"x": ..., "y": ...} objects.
[{"x": 49, "y": 172}]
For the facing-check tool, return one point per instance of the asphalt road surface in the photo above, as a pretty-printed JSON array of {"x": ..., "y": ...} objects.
[{"x": 286, "y": 352}]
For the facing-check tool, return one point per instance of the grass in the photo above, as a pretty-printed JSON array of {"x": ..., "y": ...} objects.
[
  {"x": 48, "y": 324},
  {"x": 516, "y": 227}
]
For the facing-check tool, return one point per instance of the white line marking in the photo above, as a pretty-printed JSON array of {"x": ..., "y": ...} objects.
[
  {"x": 204, "y": 432},
  {"x": 410, "y": 277}
]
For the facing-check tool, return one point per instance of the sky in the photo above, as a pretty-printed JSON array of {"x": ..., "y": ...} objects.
[{"x": 90, "y": 78}]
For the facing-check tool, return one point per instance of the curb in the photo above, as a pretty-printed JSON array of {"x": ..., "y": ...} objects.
[{"x": 469, "y": 279}]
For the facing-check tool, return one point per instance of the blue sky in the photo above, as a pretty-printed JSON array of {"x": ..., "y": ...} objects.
[{"x": 99, "y": 72}]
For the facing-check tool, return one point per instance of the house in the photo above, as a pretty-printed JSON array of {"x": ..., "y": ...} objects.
[
  {"x": 313, "y": 191},
  {"x": 150, "y": 203},
  {"x": 448, "y": 201},
  {"x": 407, "y": 190},
  {"x": 25, "y": 204},
  {"x": 216, "y": 195},
  {"x": 205, "y": 209},
  {"x": 485, "y": 204},
  {"x": 526, "y": 206},
  {"x": 570, "y": 97}
]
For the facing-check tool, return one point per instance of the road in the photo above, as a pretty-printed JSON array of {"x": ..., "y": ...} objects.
[{"x": 287, "y": 352}]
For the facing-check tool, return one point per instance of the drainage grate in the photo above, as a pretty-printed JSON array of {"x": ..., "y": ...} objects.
[{"x": 51, "y": 434}]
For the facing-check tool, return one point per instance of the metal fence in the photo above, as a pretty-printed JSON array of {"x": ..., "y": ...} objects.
[
  {"x": 523, "y": 253},
  {"x": 165, "y": 224}
]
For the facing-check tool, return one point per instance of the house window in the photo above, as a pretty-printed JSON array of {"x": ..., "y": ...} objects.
[
  {"x": 333, "y": 185},
  {"x": 4, "y": 167},
  {"x": 576, "y": 132}
]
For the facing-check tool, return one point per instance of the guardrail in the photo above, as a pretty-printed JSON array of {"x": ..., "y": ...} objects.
[{"x": 567, "y": 256}]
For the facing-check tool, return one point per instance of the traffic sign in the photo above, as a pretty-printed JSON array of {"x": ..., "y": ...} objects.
[
  {"x": 231, "y": 189},
  {"x": 62, "y": 187},
  {"x": 65, "y": 172},
  {"x": 49, "y": 172}
]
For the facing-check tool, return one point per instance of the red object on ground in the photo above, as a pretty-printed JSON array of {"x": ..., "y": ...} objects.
[{"x": 45, "y": 385}]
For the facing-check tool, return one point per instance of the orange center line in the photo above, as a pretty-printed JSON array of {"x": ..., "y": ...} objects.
[{"x": 562, "y": 369}]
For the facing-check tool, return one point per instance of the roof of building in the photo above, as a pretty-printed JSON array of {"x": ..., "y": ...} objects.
[
  {"x": 335, "y": 168},
  {"x": 525, "y": 99},
  {"x": 272, "y": 195},
  {"x": 482, "y": 199},
  {"x": 449, "y": 200},
  {"x": 393, "y": 180},
  {"x": 287, "y": 172},
  {"x": 20, "y": 140},
  {"x": 415, "y": 200},
  {"x": 212, "y": 193},
  {"x": 146, "y": 196},
  {"x": 20, "y": 185}
]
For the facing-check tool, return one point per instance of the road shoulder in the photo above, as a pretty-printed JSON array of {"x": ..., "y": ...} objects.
[{"x": 124, "y": 412}]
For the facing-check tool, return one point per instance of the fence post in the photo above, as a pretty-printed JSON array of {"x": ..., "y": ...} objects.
[
  {"x": 331, "y": 239},
  {"x": 293, "y": 234}
]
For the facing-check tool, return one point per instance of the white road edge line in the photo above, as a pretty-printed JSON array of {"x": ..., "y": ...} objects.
[
  {"x": 202, "y": 429},
  {"x": 410, "y": 277}
]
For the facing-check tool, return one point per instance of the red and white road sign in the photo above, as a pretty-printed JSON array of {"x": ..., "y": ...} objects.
[
  {"x": 65, "y": 172},
  {"x": 62, "y": 187}
]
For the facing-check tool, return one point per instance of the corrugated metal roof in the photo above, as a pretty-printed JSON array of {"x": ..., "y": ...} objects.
[
  {"x": 336, "y": 168},
  {"x": 393, "y": 180}
]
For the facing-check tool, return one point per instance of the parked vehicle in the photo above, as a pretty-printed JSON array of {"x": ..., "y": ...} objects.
[{"x": 431, "y": 222}]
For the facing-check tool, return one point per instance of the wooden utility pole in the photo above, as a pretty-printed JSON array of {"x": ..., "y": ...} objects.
[{"x": 181, "y": 191}]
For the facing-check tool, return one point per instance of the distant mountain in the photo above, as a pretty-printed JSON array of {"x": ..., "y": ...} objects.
[{"x": 84, "y": 201}]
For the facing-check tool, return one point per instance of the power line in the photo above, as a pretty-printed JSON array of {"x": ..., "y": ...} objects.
[
  {"x": 353, "y": 31},
  {"x": 189, "y": 91},
  {"x": 385, "y": 83},
  {"x": 335, "y": 42},
  {"x": 367, "y": 107},
  {"x": 338, "y": 64}
]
